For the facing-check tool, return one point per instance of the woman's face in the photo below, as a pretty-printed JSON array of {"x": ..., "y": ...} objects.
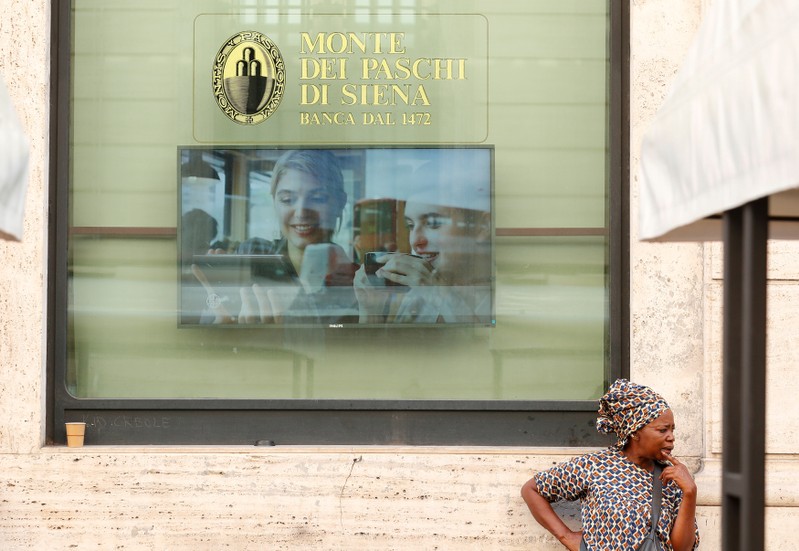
[
  {"x": 656, "y": 439},
  {"x": 442, "y": 237},
  {"x": 304, "y": 209}
]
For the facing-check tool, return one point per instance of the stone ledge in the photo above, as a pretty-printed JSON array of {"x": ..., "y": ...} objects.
[
  {"x": 782, "y": 482},
  {"x": 394, "y": 450}
]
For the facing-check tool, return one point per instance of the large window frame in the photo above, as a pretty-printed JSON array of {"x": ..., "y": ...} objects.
[{"x": 331, "y": 422}]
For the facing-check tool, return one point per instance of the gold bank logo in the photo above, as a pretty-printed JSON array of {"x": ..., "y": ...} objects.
[{"x": 248, "y": 77}]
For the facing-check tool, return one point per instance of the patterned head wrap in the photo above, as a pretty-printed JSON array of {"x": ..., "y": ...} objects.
[{"x": 626, "y": 408}]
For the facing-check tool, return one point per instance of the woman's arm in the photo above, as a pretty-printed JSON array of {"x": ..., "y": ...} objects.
[
  {"x": 683, "y": 533},
  {"x": 546, "y": 516}
]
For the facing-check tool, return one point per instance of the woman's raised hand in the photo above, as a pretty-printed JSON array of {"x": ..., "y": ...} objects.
[
  {"x": 407, "y": 269},
  {"x": 680, "y": 474}
]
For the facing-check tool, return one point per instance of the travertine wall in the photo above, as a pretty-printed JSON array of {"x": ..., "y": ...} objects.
[{"x": 366, "y": 498}]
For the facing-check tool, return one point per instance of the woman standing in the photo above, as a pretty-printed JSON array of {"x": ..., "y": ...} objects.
[{"x": 615, "y": 485}]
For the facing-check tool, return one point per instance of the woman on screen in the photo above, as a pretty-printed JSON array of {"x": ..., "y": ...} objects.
[
  {"x": 308, "y": 193},
  {"x": 447, "y": 276},
  {"x": 307, "y": 188}
]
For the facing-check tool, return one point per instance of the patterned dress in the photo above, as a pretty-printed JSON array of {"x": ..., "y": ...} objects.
[{"x": 616, "y": 499}]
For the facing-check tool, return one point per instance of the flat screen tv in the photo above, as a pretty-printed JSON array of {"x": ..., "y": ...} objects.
[{"x": 335, "y": 237}]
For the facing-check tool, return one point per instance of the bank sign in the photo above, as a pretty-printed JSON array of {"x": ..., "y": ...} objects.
[{"x": 338, "y": 79}]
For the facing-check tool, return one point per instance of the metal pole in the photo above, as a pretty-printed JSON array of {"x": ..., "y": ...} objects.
[
  {"x": 744, "y": 408},
  {"x": 731, "y": 391}
]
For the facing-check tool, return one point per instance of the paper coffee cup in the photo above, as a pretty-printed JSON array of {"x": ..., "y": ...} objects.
[{"x": 75, "y": 433}]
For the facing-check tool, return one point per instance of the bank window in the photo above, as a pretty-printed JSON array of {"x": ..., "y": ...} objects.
[{"x": 381, "y": 222}]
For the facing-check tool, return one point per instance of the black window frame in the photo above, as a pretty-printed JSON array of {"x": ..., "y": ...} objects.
[{"x": 329, "y": 422}]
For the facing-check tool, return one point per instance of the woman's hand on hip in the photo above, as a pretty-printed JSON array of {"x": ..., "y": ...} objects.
[{"x": 572, "y": 540}]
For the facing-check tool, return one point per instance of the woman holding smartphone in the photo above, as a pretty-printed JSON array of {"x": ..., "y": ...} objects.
[{"x": 307, "y": 189}]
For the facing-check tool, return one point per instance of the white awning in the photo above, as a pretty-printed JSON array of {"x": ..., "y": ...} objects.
[
  {"x": 13, "y": 169},
  {"x": 728, "y": 133}
]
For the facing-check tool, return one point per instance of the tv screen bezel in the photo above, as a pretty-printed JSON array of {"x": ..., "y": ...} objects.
[{"x": 490, "y": 322}]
